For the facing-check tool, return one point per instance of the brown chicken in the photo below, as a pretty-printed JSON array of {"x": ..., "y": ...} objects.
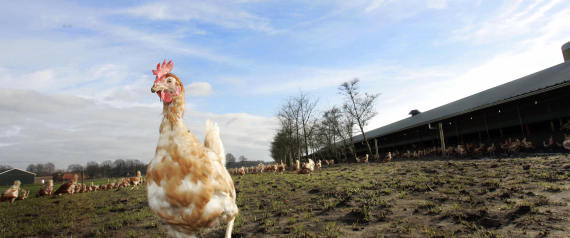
[
  {"x": 67, "y": 188},
  {"x": 11, "y": 194}
]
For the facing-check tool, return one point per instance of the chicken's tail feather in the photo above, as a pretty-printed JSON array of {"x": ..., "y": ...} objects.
[{"x": 213, "y": 141}]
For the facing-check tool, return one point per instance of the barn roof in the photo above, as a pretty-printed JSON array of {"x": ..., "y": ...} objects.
[
  {"x": 18, "y": 170},
  {"x": 541, "y": 81}
]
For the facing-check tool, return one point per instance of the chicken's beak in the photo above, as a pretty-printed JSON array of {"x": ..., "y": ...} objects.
[{"x": 157, "y": 87}]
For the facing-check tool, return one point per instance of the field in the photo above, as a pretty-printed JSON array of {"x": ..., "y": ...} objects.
[{"x": 511, "y": 197}]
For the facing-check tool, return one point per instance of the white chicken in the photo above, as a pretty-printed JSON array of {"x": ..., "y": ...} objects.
[
  {"x": 188, "y": 186},
  {"x": 11, "y": 194}
]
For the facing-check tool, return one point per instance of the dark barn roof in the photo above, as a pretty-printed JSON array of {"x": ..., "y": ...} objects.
[
  {"x": 19, "y": 170},
  {"x": 545, "y": 80}
]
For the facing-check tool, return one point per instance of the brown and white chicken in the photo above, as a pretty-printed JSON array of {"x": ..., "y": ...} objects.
[
  {"x": 68, "y": 187},
  {"x": 188, "y": 186},
  {"x": 135, "y": 181},
  {"x": 363, "y": 159},
  {"x": 307, "y": 167},
  {"x": 11, "y": 194},
  {"x": 46, "y": 190},
  {"x": 23, "y": 194},
  {"x": 566, "y": 142}
]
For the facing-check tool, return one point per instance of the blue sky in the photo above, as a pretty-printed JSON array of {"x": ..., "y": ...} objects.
[{"x": 75, "y": 76}]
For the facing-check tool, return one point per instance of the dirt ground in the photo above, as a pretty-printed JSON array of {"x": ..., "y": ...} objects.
[{"x": 509, "y": 197}]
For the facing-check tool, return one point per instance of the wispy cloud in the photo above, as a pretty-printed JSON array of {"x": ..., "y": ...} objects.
[
  {"x": 223, "y": 13},
  {"x": 512, "y": 21}
]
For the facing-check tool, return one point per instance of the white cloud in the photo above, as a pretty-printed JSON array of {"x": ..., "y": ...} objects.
[
  {"x": 199, "y": 89},
  {"x": 65, "y": 129},
  {"x": 437, "y": 4},
  {"x": 374, "y": 5}
]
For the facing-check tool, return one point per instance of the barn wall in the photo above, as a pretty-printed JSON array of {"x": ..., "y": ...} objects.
[
  {"x": 9, "y": 177},
  {"x": 536, "y": 117}
]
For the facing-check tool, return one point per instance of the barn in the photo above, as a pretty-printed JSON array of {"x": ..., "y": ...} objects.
[
  {"x": 7, "y": 177},
  {"x": 533, "y": 108}
]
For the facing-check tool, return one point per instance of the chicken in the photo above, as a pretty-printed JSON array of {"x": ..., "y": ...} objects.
[
  {"x": 505, "y": 146},
  {"x": 527, "y": 144},
  {"x": 23, "y": 194},
  {"x": 307, "y": 167},
  {"x": 271, "y": 168},
  {"x": 491, "y": 149},
  {"x": 566, "y": 142},
  {"x": 319, "y": 165},
  {"x": 136, "y": 180},
  {"x": 46, "y": 190},
  {"x": 11, "y": 194},
  {"x": 363, "y": 159},
  {"x": 188, "y": 186},
  {"x": 550, "y": 143},
  {"x": 478, "y": 150},
  {"x": 461, "y": 151},
  {"x": 515, "y": 146},
  {"x": 281, "y": 168},
  {"x": 241, "y": 171},
  {"x": 68, "y": 187},
  {"x": 388, "y": 157},
  {"x": 260, "y": 168}
]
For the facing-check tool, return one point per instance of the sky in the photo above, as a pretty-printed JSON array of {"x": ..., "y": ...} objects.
[{"x": 75, "y": 77}]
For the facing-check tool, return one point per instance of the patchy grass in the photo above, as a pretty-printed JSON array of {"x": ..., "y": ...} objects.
[{"x": 465, "y": 198}]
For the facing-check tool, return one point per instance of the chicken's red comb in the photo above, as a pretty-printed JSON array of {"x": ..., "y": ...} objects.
[{"x": 163, "y": 69}]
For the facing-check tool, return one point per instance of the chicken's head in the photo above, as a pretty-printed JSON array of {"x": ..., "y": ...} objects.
[{"x": 167, "y": 85}]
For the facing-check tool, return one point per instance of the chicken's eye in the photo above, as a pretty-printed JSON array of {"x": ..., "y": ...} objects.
[{"x": 169, "y": 81}]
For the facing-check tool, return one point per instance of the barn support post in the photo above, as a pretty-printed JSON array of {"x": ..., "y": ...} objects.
[
  {"x": 520, "y": 120},
  {"x": 376, "y": 145},
  {"x": 441, "y": 138}
]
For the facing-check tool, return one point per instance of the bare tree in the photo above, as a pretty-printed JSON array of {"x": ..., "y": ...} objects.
[
  {"x": 306, "y": 117},
  {"x": 289, "y": 118},
  {"x": 91, "y": 169},
  {"x": 359, "y": 107},
  {"x": 346, "y": 132},
  {"x": 329, "y": 130}
]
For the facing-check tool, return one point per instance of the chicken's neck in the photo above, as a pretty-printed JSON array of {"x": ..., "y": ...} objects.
[{"x": 173, "y": 113}]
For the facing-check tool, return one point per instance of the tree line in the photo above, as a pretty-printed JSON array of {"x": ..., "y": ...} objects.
[
  {"x": 242, "y": 161},
  {"x": 105, "y": 169},
  {"x": 304, "y": 131}
]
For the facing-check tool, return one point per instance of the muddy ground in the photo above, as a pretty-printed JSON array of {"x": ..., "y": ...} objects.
[{"x": 509, "y": 197}]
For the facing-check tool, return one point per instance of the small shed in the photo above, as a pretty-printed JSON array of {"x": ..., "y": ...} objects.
[
  {"x": 7, "y": 177},
  {"x": 43, "y": 179}
]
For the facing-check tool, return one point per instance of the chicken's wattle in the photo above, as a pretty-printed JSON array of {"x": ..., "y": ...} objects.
[{"x": 165, "y": 96}]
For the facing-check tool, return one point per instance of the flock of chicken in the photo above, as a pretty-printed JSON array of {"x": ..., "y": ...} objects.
[
  {"x": 509, "y": 146},
  {"x": 300, "y": 168},
  {"x": 16, "y": 193}
]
